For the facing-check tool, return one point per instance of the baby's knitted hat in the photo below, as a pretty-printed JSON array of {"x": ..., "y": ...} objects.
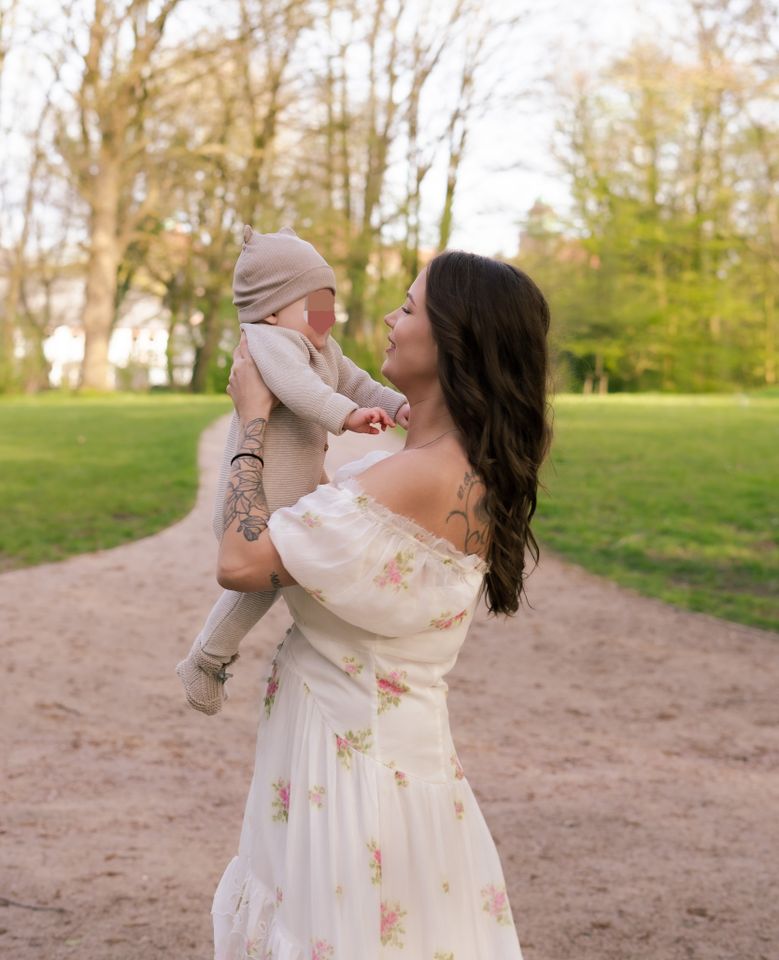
[{"x": 274, "y": 270}]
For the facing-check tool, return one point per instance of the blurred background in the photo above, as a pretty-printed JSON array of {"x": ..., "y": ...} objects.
[
  {"x": 625, "y": 156},
  {"x": 627, "y": 159}
]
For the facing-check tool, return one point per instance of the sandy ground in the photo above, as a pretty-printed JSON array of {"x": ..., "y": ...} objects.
[{"x": 625, "y": 754}]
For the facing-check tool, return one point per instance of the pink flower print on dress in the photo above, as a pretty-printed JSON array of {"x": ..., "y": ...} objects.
[
  {"x": 496, "y": 903},
  {"x": 321, "y": 950},
  {"x": 395, "y": 569},
  {"x": 279, "y": 896},
  {"x": 459, "y": 809},
  {"x": 271, "y": 688},
  {"x": 359, "y": 739},
  {"x": 446, "y": 620},
  {"x": 390, "y": 688},
  {"x": 311, "y": 519},
  {"x": 375, "y": 861},
  {"x": 281, "y": 800},
  {"x": 352, "y": 666},
  {"x": 316, "y": 795},
  {"x": 253, "y": 947},
  {"x": 445, "y": 886},
  {"x": 401, "y": 779},
  {"x": 391, "y": 926},
  {"x": 317, "y": 594},
  {"x": 458, "y": 770}
]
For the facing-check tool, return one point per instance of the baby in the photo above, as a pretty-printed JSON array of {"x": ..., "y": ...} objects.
[{"x": 284, "y": 291}]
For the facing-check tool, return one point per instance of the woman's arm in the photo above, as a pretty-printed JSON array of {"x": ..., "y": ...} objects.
[{"x": 247, "y": 560}]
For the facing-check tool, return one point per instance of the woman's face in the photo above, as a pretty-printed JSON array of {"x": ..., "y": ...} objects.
[{"x": 412, "y": 355}]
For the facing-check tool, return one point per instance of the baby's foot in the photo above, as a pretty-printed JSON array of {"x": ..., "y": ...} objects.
[{"x": 204, "y": 676}]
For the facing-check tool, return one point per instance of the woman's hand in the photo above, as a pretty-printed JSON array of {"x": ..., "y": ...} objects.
[{"x": 250, "y": 396}]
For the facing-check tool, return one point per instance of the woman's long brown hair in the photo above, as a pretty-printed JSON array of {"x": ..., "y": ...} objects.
[{"x": 490, "y": 322}]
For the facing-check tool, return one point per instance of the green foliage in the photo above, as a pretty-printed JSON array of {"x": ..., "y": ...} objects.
[
  {"x": 662, "y": 277},
  {"x": 674, "y": 496},
  {"x": 87, "y": 473},
  {"x": 365, "y": 355}
]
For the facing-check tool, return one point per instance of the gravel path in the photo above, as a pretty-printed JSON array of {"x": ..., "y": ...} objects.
[{"x": 625, "y": 753}]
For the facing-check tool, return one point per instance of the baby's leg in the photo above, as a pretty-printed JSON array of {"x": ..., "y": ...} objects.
[
  {"x": 231, "y": 618},
  {"x": 216, "y": 646}
]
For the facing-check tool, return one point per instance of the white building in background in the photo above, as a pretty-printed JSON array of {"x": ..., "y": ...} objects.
[{"x": 138, "y": 344}]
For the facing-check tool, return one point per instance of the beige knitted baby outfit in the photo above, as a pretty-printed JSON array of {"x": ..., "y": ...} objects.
[{"x": 317, "y": 390}]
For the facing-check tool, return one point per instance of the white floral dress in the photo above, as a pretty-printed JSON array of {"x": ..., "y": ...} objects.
[{"x": 362, "y": 838}]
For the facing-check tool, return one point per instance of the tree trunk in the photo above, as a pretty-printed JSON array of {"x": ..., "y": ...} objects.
[
  {"x": 212, "y": 334},
  {"x": 356, "y": 271},
  {"x": 8, "y": 326},
  {"x": 102, "y": 267},
  {"x": 35, "y": 367},
  {"x": 770, "y": 338}
]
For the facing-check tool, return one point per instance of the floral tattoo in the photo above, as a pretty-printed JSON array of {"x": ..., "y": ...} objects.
[
  {"x": 474, "y": 539},
  {"x": 245, "y": 496}
]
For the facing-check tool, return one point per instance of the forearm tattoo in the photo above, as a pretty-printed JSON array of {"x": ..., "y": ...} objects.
[
  {"x": 245, "y": 496},
  {"x": 474, "y": 539}
]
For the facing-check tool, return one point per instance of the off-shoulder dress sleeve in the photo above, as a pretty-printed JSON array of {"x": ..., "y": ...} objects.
[{"x": 365, "y": 564}]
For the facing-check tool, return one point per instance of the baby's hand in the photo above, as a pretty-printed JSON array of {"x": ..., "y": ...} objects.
[
  {"x": 368, "y": 420},
  {"x": 404, "y": 415}
]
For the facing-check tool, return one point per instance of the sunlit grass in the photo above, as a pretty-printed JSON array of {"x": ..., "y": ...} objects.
[
  {"x": 84, "y": 473},
  {"x": 674, "y": 496}
]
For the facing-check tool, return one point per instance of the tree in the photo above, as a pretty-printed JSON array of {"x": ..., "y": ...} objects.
[
  {"x": 670, "y": 175},
  {"x": 105, "y": 146}
]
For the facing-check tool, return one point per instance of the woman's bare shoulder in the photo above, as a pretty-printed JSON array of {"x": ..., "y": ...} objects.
[
  {"x": 402, "y": 481},
  {"x": 438, "y": 489}
]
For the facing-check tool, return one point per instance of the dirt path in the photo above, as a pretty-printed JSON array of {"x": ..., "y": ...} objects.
[{"x": 626, "y": 756}]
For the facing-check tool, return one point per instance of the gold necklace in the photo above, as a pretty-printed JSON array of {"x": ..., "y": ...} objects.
[{"x": 433, "y": 440}]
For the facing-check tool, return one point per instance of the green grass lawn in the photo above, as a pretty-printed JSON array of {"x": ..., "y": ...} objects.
[
  {"x": 84, "y": 473},
  {"x": 674, "y": 496}
]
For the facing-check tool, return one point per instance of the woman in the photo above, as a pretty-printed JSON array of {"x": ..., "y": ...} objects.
[{"x": 361, "y": 834}]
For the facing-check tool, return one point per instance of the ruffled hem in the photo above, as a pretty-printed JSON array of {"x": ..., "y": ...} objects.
[{"x": 246, "y": 922}]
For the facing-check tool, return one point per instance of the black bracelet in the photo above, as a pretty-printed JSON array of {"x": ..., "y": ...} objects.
[{"x": 248, "y": 455}]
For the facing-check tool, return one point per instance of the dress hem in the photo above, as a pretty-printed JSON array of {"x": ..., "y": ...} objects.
[{"x": 255, "y": 912}]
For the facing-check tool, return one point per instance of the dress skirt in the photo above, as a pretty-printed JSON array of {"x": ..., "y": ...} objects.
[{"x": 342, "y": 857}]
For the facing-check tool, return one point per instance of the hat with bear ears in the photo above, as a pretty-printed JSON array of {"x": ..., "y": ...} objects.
[{"x": 274, "y": 270}]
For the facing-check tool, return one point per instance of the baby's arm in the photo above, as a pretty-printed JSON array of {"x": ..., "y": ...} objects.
[
  {"x": 359, "y": 385},
  {"x": 284, "y": 362}
]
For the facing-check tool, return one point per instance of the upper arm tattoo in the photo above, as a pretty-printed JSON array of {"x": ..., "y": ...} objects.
[
  {"x": 475, "y": 540},
  {"x": 245, "y": 495}
]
